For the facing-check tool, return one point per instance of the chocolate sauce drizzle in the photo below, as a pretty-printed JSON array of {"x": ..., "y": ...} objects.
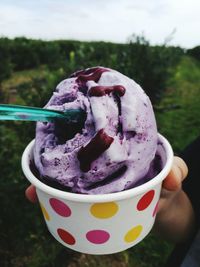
[
  {"x": 120, "y": 126},
  {"x": 90, "y": 74},
  {"x": 101, "y": 141},
  {"x": 94, "y": 76},
  {"x": 94, "y": 149},
  {"x": 88, "y": 71}
]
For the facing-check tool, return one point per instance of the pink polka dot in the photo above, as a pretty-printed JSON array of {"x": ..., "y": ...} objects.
[
  {"x": 155, "y": 210},
  {"x": 66, "y": 236},
  {"x": 60, "y": 207},
  {"x": 145, "y": 200},
  {"x": 97, "y": 236}
]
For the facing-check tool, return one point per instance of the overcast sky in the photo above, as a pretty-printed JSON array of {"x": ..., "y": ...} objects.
[{"x": 106, "y": 20}]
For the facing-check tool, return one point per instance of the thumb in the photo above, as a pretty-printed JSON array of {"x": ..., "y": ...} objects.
[{"x": 179, "y": 171}]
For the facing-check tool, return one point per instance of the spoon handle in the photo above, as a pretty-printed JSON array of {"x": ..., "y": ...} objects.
[{"x": 24, "y": 113}]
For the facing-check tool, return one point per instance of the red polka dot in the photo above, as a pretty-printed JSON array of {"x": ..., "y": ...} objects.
[
  {"x": 97, "y": 236},
  {"x": 145, "y": 201},
  {"x": 60, "y": 207},
  {"x": 155, "y": 210},
  {"x": 66, "y": 236}
]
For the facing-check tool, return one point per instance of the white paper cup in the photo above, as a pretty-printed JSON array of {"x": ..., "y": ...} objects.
[{"x": 100, "y": 224}]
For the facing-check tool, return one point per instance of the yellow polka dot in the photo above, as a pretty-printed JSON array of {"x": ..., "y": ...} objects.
[
  {"x": 45, "y": 213},
  {"x": 133, "y": 234},
  {"x": 104, "y": 210}
]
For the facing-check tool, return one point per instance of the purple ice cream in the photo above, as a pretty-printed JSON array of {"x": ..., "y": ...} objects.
[{"x": 113, "y": 150}]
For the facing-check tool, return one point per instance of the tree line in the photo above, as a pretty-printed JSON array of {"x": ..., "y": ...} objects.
[{"x": 148, "y": 65}]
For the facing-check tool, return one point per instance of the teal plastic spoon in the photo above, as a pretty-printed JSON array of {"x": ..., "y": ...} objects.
[{"x": 24, "y": 113}]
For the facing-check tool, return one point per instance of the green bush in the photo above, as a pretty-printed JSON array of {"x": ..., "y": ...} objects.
[
  {"x": 5, "y": 63},
  {"x": 146, "y": 64},
  {"x": 194, "y": 52}
]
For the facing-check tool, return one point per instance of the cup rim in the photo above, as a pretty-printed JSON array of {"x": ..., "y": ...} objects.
[{"x": 77, "y": 197}]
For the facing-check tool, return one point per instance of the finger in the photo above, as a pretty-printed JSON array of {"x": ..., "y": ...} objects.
[
  {"x": 182, "y": 166},
  {"x": 31, "y": 194},
  {"x": 179, "y": 171}
]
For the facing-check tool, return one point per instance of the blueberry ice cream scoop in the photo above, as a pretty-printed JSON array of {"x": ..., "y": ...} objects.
[{"x": 113, "y": 149}]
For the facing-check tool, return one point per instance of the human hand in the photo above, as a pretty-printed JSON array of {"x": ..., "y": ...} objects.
[
  {"x": 172, "y": 184},
  {"x": 175, "y": 220},
  {"x": 31, "y": 195}
]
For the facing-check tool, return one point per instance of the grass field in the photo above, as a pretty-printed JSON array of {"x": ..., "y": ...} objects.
[
  {"x": 178, "y": 113},
  {"x": 24, "y": 239}
]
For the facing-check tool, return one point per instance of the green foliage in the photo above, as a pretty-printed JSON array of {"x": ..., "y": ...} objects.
[
  {"x": 27, "y": 54},
  {"x": 5, "y": 64},
  {"x": 5, "y": 60},
  {"x": 37, "y": 91},
  {"x": 178, "y": 118},
  {"x": 194, "y": 52},
  {"x": 151, "y": 252},
  {"x": 23, "y": 53},
  {"x": 146, "y": 64}
]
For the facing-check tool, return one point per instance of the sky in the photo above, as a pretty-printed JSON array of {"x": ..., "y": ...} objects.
[{"x": 175, "y": 22}]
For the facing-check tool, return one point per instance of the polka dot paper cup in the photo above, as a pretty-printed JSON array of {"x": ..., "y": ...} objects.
[{"x": 100, "y": 224}]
